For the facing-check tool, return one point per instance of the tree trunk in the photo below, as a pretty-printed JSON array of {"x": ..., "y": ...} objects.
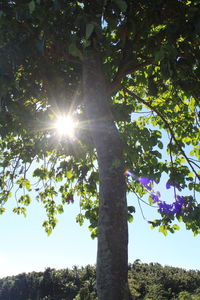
[{"x": 112, "y": 255}]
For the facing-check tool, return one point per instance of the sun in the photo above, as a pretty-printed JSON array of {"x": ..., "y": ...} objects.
[{"x": 65, "y": 126}]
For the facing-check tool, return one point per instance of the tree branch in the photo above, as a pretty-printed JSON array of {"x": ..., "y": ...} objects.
[
  {"x": 192, "y": 161},
  {"x": 167, "y": 125},
  {"x": 124, "y": 70}
]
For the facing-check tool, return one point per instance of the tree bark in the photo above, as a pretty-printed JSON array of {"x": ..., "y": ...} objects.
[{"x": 112, "y": 255}]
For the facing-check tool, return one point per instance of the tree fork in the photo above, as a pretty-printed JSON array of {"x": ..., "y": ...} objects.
[{"x": 112, "y": 255}]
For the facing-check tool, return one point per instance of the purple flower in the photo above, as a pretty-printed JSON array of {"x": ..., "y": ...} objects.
[
  {"x": 155, "y": 198},
  {"x": 177, "y": 207},
  {"x": 168, "y": 186},
  {"x": 178, "y": 204},
  {"x": 169, "y": 209},
  {"x": 181, "y": 200},
  {"x": 172, "y": 184},
  {"x": 173, "y": 208},
  {"x": 145, "y": 181},
  {"x": 165, "y": 208}
]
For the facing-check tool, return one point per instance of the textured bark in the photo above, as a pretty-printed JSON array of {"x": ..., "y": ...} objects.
[{"x": 112, "y": 255}]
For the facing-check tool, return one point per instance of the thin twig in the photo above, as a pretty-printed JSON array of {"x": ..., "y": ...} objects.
[
  {"x": 192, "y": 159},
  {"x": 143, "y": 200},
  {"x": 141, "y": 209}
]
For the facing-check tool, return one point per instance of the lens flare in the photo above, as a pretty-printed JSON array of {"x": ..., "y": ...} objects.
[
  {"x": 65, "y": 126},
  {"x": 128, "y": 173}
]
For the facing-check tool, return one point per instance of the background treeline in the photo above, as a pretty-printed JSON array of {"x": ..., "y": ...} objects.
[{"x": 147, "y": 281}]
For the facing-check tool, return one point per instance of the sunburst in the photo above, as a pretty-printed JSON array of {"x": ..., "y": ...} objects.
[{"x": 65, "y": 126}]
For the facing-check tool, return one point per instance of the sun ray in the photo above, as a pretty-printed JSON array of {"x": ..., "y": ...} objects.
[{"x": 65, "y": 126}]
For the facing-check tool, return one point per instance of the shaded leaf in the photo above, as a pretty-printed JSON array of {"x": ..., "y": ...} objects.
[
  {"x": 74, "y": 51},
  {"x": 31, "y": 6},
  {"x": 89, "y": 30},
  {"x": 122, "y": 5}
]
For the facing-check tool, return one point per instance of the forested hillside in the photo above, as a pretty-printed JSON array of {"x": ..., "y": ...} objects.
[{"x": 147, "y": 281}]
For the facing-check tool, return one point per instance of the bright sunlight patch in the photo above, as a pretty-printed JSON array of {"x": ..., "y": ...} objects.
[{"x": 65, "y": 126}]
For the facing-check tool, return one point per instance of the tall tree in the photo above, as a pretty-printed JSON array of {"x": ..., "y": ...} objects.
[{"x": 100, "y": 62}]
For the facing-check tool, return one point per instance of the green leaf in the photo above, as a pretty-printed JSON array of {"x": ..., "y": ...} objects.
[
  {"x": 80, "y": 219},
  {"x": 94, "y": 233},
  {"x": 74, "y": 51},
  {"x": 122, "y": 5},
  {"x": 69, "y": 174},
  {"x": 31, "y": 6},
  {"x": 20, "y": 210},
  {"x": 160, "y": 145},
  {"x": 130, "y": 218},
  {"x": 150, "y": 200},
  {"x": 175, "y": 227},
  {"x": 160, "y": 55},
  {"x": 89, "y": 30},
  {"x": 131, "y": 209},
  {"x": 47, "y": 227},
  {"x": 60, "y": 209},
  {"x": 23, "y": 182},
  {"x": 2, "y": 210},
  {"x": 41, "y": 173},
  {"x": 25, "y": 199},
  {"x": 163, "y": 229}
]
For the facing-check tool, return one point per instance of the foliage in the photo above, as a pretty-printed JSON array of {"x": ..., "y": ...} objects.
[
  {"x": 157, "y": 282},
  {"x": 147, "y": 281},
  {"x": 150, "y": 58}
]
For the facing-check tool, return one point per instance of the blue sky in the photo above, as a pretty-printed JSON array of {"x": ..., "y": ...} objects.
[{"x": 25, "y": 247}]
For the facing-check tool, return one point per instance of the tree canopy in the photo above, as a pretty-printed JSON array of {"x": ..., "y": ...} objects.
[
  {"x": 104, "y": 63},
  {"x": 153, "y": 64}
]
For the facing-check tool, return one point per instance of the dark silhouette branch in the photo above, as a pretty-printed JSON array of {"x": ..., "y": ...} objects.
[
  {"x": 172, "y": 162},
  {"x": 192, "y": 161}
]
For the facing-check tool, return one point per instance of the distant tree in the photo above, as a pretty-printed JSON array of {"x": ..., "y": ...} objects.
[
  {"x": 156, "y": 291},
  {"x": 146, "y": 281},
  {"x": 184, "y": 296},
  {"x": 101, "y": 62}
]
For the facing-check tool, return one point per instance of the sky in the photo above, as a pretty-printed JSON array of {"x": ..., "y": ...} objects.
[{"x": 25, "y": 246}]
